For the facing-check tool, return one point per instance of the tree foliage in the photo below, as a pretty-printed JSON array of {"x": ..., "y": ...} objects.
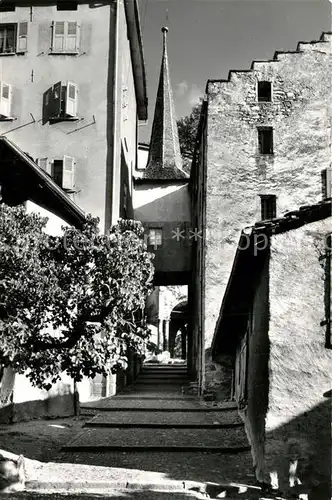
[
  {"x": 187, "y": 128},
  {"x": 69, "y": 303}
]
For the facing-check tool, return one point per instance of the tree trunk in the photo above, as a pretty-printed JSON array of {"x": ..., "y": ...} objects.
[{"x": 7, "y": 386}]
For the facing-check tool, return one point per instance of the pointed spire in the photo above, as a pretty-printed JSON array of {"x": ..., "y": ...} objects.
[{"x": 165, "y": 161}]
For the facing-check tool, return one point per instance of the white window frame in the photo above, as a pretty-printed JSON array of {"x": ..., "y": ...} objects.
[
  {"x": 155, "y": 236},
  {"x": 70, "y": 43},
  {"x": 6, "y": 102}
]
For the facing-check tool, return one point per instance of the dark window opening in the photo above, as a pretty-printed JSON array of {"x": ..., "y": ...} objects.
[
  {"x": 264, "y": 91},
  {"x": 66, "y": 5},
  {"x": 268, "y": 206},
  {"x": 7, "y": 38},
  {"x": 57, "y": 173},
  {"x": 7, "y": 7},
  {"x": 265, "y": 140}
]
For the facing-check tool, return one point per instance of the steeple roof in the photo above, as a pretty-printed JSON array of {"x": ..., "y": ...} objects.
[{"x": 165, "y": 161}]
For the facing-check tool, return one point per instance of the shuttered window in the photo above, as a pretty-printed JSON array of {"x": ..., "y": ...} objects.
[
  {"x": 65, "y": 37},
  {"x": 14, "y": 38},
  {"x": 60, "y": 102},
  {"x": 63, "y": 172},
  {"x": 5, "y": 100},
  {"x": 45, "y": 165}
]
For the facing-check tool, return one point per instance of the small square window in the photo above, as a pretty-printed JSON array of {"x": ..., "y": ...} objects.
[
  {"x": 264, "y": 92},
  {"x": 66, "y": 5},
  {"x": 155, "y": 237},
  {"x": 268, "y": 206},
  {"x": 265, "y": 140}
]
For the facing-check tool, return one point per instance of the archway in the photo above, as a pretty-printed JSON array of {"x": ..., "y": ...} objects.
[{"x": 178, "y": 330}]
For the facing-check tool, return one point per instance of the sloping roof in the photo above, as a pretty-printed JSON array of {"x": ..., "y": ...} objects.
[
  {"x": 24, "y": 180},
  {"x": 248, "y": 263},
  {"x": 165, "y": 161}
]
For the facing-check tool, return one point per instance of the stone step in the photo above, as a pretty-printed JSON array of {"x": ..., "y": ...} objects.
[
  {"x": 161, "y": 380},
  {"x": 106, "y": 439},
  {"x": 174, "y": 404},
  {"x": 162, "y": 419},
  {"x": 164, "y": 375}
]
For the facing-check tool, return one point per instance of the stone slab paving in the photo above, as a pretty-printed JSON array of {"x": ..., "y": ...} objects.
[
  {"x": 179, "y": 439},
  {"x": 162, "y": 418}
]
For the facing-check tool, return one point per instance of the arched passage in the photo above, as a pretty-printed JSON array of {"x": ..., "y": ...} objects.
[{"x": 178, "y": 331}]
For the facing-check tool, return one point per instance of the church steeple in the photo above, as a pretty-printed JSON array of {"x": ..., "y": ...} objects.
[{"x": 164, "y": 160}]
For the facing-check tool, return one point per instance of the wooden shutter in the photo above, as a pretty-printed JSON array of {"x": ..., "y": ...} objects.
[
  {"x": 22, "y": 37},
  {"x": 5, "y": 99},
  {"x": 71, "y": 99},
  {"x": 59, "y": 36},
  {"x": 45, "y": 165},
  {"x": 72, "y": 36},
  {"x": 56, "y": 100},
  {"x": 327, "y": 183},
  {"x": 68, "y": 173}
]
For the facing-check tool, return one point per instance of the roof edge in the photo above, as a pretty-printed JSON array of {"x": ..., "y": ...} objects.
[{"x": 136, "y": 48}]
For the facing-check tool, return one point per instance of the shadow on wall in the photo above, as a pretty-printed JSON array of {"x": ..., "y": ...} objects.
[
  {"x": 61, "y": 405},
  {"x": 301, "y": 450}
]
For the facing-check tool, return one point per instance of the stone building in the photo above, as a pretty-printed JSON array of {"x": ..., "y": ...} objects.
[
  {"x": 72, "y": 92},
  {"x": 275, "y": 325},
  {"x": 73, "y": 89},
  {"x": 264, "y": 140}
]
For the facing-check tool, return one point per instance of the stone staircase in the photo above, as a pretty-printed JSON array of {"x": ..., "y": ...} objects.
[
  {"x": 163, "y": 438},
  {"x": 151, "y": 442}
]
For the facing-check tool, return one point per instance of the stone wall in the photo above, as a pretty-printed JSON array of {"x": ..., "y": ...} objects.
[
  {"x": 236, "y": 174},
  {"x": 299, "y": 415}
]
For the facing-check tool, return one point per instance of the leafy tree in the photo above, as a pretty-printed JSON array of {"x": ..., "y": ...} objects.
[
  {"x": 68, "y": 303},
  {"x": 187, "y": 128}
]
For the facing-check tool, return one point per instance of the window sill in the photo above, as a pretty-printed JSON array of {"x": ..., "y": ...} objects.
[
  {"x": 7, "y": 119},
  {"x": 7, "y": 54},
  {"x": 63, "y": 53},
  {"x": 64, "y": 119}
]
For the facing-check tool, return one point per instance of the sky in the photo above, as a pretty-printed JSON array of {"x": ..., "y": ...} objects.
[{"x": 207, "y": 38}]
